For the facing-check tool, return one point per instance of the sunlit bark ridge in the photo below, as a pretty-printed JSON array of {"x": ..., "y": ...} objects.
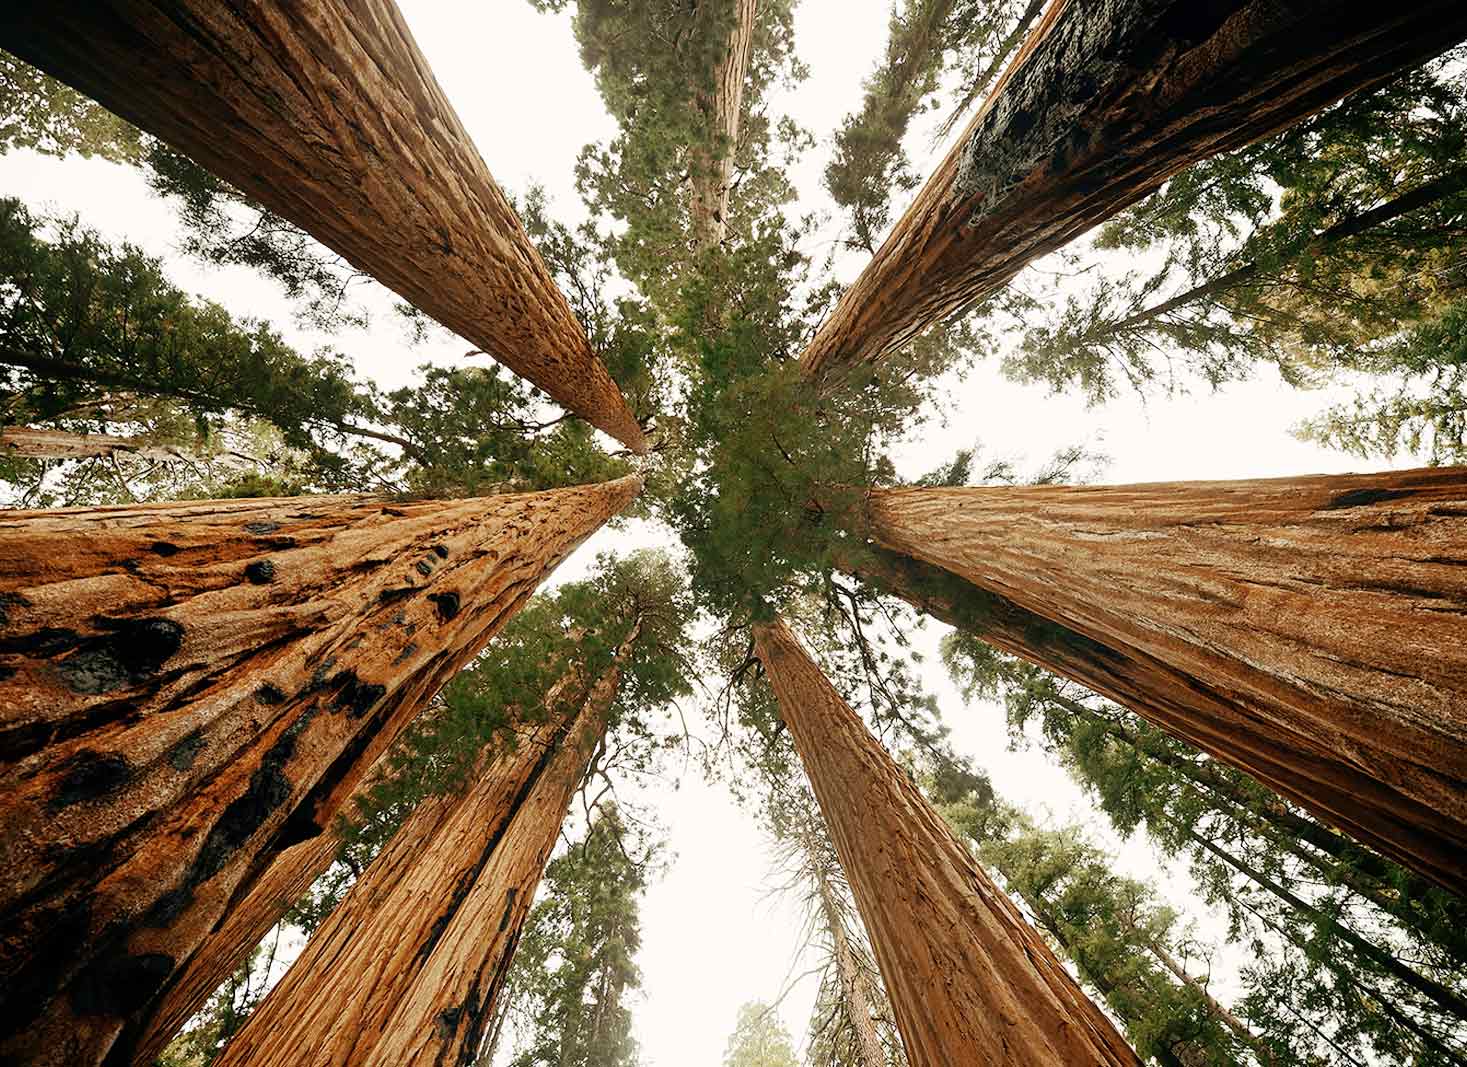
[
  {"x": 328, "y": 114},
  {"x": 187, "y": 689},
  {"x": 969, "y": 980},
  {"x": 1103, "y": 103},
  {"x": 1305, "y": 630},
  {"x": 406, "y": 970},
  {"x": 712, "y": 175}
]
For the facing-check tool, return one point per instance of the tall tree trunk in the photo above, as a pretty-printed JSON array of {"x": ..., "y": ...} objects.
[
  {"x": 1102, "y": 104},
  {"x": 29, "y": 442},
  {"x": 1305, "y": 630},
  {"x": 969, "y": 980},
  {"x": 855, "y": 992},
  {"x": 1223, "y": 1015},
  {"x": 185, "y": 689},
  {"x": 407, "y": 968},
  {"x": 327, "y": 114},
  {"x": 712, "y": 171},
  {"x": 1212, "y": 721}
]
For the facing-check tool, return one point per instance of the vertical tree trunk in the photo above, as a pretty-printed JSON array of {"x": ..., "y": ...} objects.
[
  {"x": 407, "y": 968},
  {"x": 712, "y": 173},
  {"x": 327, "y": 114},
  {"x": 969, "y": 980},
  {"x": 1305, "y": 630},
  {"x": 1102, "y": 104},
  {"x": 860, "y": 1005},
  {"x": 185, "y": 690}
]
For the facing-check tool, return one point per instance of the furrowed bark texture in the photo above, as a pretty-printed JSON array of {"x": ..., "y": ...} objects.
[
  {"x": 407, "y": 968},
  {"x": 1305, "y": 630},
  {"x": 248, "y": 919},
  {"x": 33, "y": 443},
  {"x": 1103, "y": 103},
  {"x": 713, "y": 175},
  {"x": 327, "y": 113},
  {"x": 186, "y": 691},
  {"x": 969, "y": 980}
]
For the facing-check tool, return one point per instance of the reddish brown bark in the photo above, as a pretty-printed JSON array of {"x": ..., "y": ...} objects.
[
  {"x": 248, "y": 919},
  {"x": 712, "y": 172},
  {"x": 1102, "y": 104},
  {"x": 186, "y": 691},
  {"x": 407, "y": 968},
  {"x": 1305, "y": 630},
  {"x": 969, "y": 980},
  {"x": 327, "y": 113}
]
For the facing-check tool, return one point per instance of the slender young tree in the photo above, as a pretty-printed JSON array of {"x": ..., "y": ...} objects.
[
  {"x": 1293, "y": 628},
  {"x": 966, "y": 975},
  {"x": 185, "y": 688},
  {"x": 334, "y": 120},
  {"x": 1099, "y": 107}
]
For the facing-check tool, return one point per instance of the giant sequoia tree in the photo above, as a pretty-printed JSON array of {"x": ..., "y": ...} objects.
[{"x": 190, "y": 688}]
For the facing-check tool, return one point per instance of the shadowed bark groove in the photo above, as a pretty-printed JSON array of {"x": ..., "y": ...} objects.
[
  {"x": 1305, "y": 630},
  {"x": 405, "y": 971},
  {"x": 328, "y": 114},
  {"x": 188, "y": 689},
  {"x": 969, "y": 980},
  {"x": 1102, "y": 104}
]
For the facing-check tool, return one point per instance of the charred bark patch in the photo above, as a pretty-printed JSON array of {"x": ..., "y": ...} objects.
[
  {"x": 423, "y": 567},
  {"x": 392, "y": 596},
  {"x": 355, "y": 697},
  {"x": 509, "y": 895},
  {"x": 182, "y": 755},
  {"x": 15, "y": 600},
  {"x": 448, "y": 604},
  {"x": 90, "y": 775},
  {"x": 164, "y": 548},
  {"x": 26, "y": 992},
  {"x": 260, "y": 572},
  {"x": 1363, "y": 498},
  {"x": 120, "y": 985},
  {"x": 135, "y": 650},
  {"x": 440, "y": 551},
  {"x": 269, "y": 695},
  {"x": 261, "y": 527}
]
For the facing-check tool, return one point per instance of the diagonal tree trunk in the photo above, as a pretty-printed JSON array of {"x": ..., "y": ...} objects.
[
  {"x": 855, "y": 992},
  {"x": 1214, "y": 722},
  {"x": 29, "y": 442},
  {"x": 327, "y": 114},
  {"x": 969, "y": 980},
  {"x": 1305, "y": 630},
  {"x": 1102, "y": 104},
  {"x": 407, "y": 968},
  {"x": 186, "y": 689},
  {"x": 712, "y": 172}
]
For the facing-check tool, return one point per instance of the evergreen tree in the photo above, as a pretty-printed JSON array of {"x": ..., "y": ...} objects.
[{"x": 759, "y": 1039}]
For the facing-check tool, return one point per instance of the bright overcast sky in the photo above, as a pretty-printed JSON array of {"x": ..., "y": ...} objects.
[{"x": 711, "y": 938}]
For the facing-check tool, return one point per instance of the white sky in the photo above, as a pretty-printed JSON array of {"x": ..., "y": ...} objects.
[{"x": 711, "y": 939}]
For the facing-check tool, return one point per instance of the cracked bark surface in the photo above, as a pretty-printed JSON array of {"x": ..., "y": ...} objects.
[
  {"x": 969, "y": 980},
  {"x": 1305, "y": 630},
  {"x": 406, "y": 970},
  {"x": 188, "y": 689},
  {"x": 328, "y": 114},
  {"x": 712, "y": 175},
  {"x": 1101, "y": 105}
]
